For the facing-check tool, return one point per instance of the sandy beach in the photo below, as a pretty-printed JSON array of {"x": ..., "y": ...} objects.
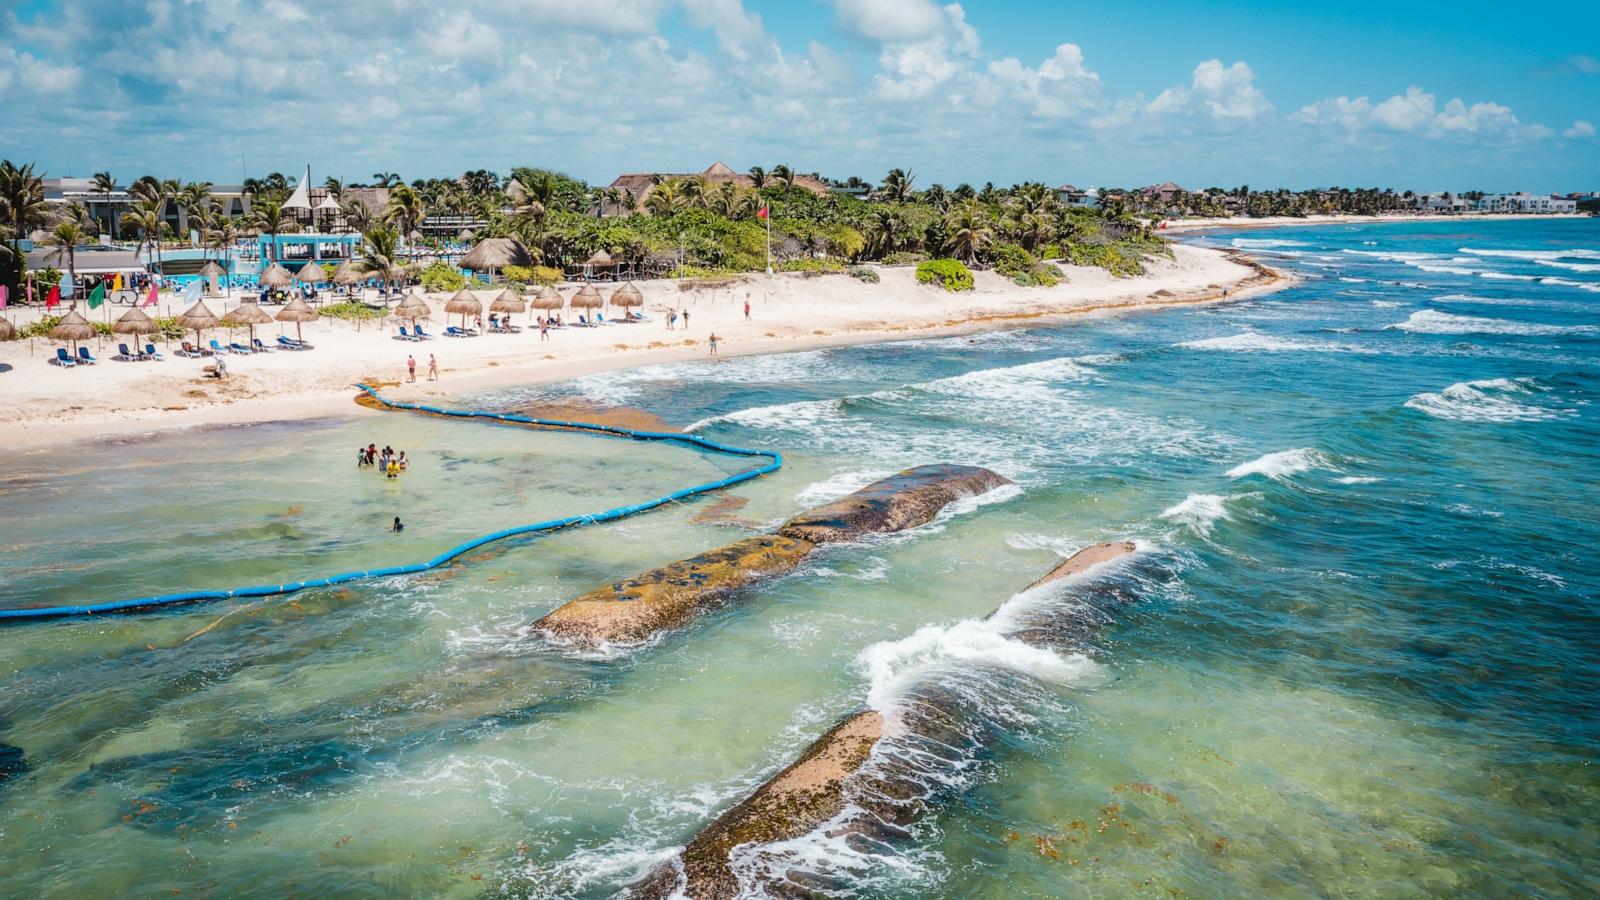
[
  {"x": 1178, "y": 227},
  {"x": 789, "y": 312}
]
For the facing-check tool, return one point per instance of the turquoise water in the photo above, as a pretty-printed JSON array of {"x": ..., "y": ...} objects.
[{"x": 1356, "y": 654}]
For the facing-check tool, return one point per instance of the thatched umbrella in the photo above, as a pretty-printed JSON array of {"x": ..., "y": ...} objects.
[
  {"x": 311, "y": 274},
  {"x": 135, "y": 322},
  {"x": 349, "y": 273},
  {"x": 465, "y": 304},
  {"x": 212, "y": 270},
  {"x": 198, "y": 318},
  {"x": 72, "y": 328},
  {"x": 297, "y": 311},
  {"x": 413, "y": 308},
  {"x": 548, "y": 299},
  {"x": 600, "y": 260},
  {"x": 276, "y": 276},
  {"x": 249, "y": 315},
  {"x": 494, "y": 254},
  {"x": 508, "y": 302},
  {"x": 587, "y": 298},
  {"x": 8, "y": 331},
  {"x": 627, "y": 296}
]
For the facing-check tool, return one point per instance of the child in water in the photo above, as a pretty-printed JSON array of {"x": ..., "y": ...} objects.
[{"x": 398, "y": 526}]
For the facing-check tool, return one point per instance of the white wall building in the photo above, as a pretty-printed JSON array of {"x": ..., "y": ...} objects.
[{"x": 1525, "y": 203}]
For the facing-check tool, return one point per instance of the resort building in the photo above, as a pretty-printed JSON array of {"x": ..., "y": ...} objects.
[
  {"x": 1443, "y": 202},
  {"x": 1067, "y": 195},
  {"x": 295, "y": 250},
  {"x": 638, "y": 185},
  {"x": 106, "y": 207},
  {"x": 1526, "y": 203}
]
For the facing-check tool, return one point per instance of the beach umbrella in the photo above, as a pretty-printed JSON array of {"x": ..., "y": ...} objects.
[
  {"x": 547, "y": 298},
  {"x": 627, "y": 296},
  {"x": 72, "y": 328},
  {"x": 349, "y": 273},
  {"x": 508, "y": 302},
  {"x": 197, "y": 319},
  {"x": 212, "y": 271},
  {"x": 135, "y": 322},
  {"x": 600, "y": 260},
  {"x": 413, "y": 308},
  {"x": 494, "y": 254},
  {"x": 465, "y": 304},
  {"x": 587, "y": 298},
  {"x": 276, "y": 276},
  {"x": 311, "y": 273},
  {"x": 8, "y": 331},
  {"x": 249, "y": 315},
  {"x": 297, "y": 311}
]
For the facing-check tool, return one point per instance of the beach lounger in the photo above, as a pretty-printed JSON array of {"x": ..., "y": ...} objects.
[
  {"x": 257, "y": 346},
  {"x": 241, "y": 348},
  {"x": 84, "y": 358},
  {"x": 453, "y": 331},
  {"x": 125, "y": 355},
  {"x": 422, "y": 335},
  {"x": 217, "y": 348},
  {"x": 62, "y": 359},
  {"x": 292, "y": 344},
  {"x": 405, "y": 335},
  {"x": 192, "y": 351},
  {"x": 150, "y": 353}
]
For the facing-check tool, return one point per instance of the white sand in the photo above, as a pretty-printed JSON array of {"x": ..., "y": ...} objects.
[{"x": 48, "y": 405}]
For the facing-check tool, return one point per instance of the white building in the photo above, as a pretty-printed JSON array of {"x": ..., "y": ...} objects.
[
  {"x": 1067, "y": 195},
  {"x": 1525, "y": 203},
  {"x": 1444, "y": 202}
]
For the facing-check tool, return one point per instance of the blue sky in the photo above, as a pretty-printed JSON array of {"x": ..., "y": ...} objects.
[{"x": 1421, "y": 95}]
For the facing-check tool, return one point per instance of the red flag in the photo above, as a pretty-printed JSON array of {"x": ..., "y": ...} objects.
[
  {"x": 151, "y": 300},
  {"x": 54, "y": 299},
  {"x": 761, "y": 213}
]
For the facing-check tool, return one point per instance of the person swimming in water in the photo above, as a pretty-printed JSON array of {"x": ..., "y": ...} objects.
[{"x": 398, "y": 526}]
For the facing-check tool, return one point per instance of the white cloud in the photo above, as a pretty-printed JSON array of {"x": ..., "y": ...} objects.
[
  {"x": 1405, "y": 112},
  {"x": 1579, "y": 129},
  {"x": 1224, "y": 93},
  {"x": 1352, "y": 115},
  {"x": 738, "y": 30},
  {"x": 891, "y": 20},
  {"x": 1417, "y": 112},
  {"x": 1061, "y": 86},
  {"x": 913, "y": 71}
]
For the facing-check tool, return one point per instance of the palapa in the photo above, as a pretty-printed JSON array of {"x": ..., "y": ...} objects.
[
  {"x": 508, "y": 302},
  {"x": 8, "y": 331},
  {"x": 465, "y": 304},
  {"x": 249, "y": 315},
  {"x": 548, "y": 299},
  {"x": 212, "y": 268},
  {"x": 412, "y": 307},
  {"x": 601, "y": 259},
  {"x": 626, "y": 296},
  {"x": 197, "y": 319},
  {"x": 134, "y": 321},
  {"x": 297, "y": 311},
  {"x": 494, "y": 254},
  {"x": 311, "y": 273},
  {"x": 348, "y": 273},
  {"x": 72, "y": 328},
  {"x": 276, "y": 276},
  {"x": 587, "y": 298}
]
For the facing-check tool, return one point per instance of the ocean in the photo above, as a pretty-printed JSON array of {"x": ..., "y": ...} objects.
[{"x": 1356, "y": 653}]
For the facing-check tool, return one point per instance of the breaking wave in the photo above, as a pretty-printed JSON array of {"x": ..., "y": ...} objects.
[
  {"x": 1488, "y": 400},
  {"x": 1256, "y": 342},
  {"x": 1429, "y": 321},
  {"x": 1198, "y": 511},
  {"x": 1280, "y": 465}
]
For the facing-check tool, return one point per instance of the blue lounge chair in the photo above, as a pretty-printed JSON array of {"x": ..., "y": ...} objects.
[
  {"x": 422, "y": 334},
  {"x": 124, "y": 354},
  {"x": 292, "y": 344},
  {"x": 405, "y": 335},
  {"x": 62, "y": 359},
  {"x": 150, "y": 353},
  {"x": 85, "y": 358},
  {"x": 260, "y": 347},
  {"x": 453, "y": 331},
  {"x": 217, "y": 348},
  {"x": 243, "y": 349}
]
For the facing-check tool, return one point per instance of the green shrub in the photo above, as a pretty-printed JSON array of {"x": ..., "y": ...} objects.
[
  {"x": 949, "y": 274},
  {"x": 350, "y": 310},
  {"x": 1119, "y": 259},
  {"x": 1017, "y": 264},
  {"x": 904, "y": 257},
  {"x": 522, "y": 275},
  {"x": 328, "y": 269},
  {"x": 810, "y": 264},
  {"x": 547, "y": 275},
  {"x": 442, "y": 277},
  {"x": 864, "y": 274}
]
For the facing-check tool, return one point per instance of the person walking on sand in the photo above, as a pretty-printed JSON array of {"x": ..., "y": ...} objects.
[
  {"x": 411, "y": 368},
  {"x": 433, "y": 368},
  {"x": 713, "y": 343},
  {"x": 686, "y": 320},
  {"x": 747, "y": 307},
  {"x": 544, "y": 329},
  {"x": 672, "y": 319}
]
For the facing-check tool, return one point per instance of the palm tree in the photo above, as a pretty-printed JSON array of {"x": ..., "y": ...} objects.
[
  {"x": 783, "y": 175},
  {"x": 693, "y": 191},
  {"x": 406, "y": 208},
  {"x": 665, "y": 197},
  {"x": 145, "y": 218},
  {"x": 65, "y": 238},
  {"x": 897, "y": 185},
  {"x": 385, "y": 179},
  {"x": 23, "y": 208},
  {"x": 380, "y": 254},
  {"x": 758, "y": 177},
  {"x": 105, "y": 185},
  {"x": 268, "y": 215},
  {"x": 967, "y": 231}
]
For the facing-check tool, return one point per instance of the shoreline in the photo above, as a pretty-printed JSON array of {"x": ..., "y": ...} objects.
[
  {"x": 1184, "y": 226},
  {"x": 50, "y": 409}
]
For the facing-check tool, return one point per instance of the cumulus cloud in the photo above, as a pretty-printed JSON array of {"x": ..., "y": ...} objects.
[
  {"x": 1220, "y": 92},
  {"x": 738, "y": 31},
  {"x": 891, "y": 20},
  {"x": 914, "y": 70},
  {"x": 1580, "y": 129},
  {"x": 1417, "y": 112},
  {"x": 1061, "y": 86}
]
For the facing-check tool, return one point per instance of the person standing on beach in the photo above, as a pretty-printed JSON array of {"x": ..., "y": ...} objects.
[
  {"x": 713, "y": 343},
  {"x": 686, "y": 320},
  {"x": 433, "y": 368},
  {"x": 411, "y": 368},
  {"x": 747, "y": 307},
  {"x": 544, "y": 329}
]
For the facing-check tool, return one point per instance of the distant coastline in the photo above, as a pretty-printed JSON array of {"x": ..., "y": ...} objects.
[{"x": 1180, "y": 226}]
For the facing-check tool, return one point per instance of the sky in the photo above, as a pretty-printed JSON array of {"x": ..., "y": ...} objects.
[{"x": 1414, "y": 95}]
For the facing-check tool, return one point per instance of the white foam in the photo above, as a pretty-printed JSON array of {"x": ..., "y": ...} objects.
[
  {"x": 1250, "y": 341},
  {"x": 838, "y": 485},
  {"x": 1568, "y": 282},
  {"x": 892, "y": 666},
  {"x": 1488, "y": 400},
  {"x": 1266, "y": 243},
  {"x": 1486, "y": 301},
  {"x": 1280, "y": 465},
  {"x": 1539, "y": 255},
  {"x": 1571, "y": 266},
  {"x": 1350, "y": 280},
  {"x": 1429, "y": 321},
  {"x": 1198, "y": 511},
  {"x": 1360, "y": 479},
  {"x": 1506, "y": 276}
]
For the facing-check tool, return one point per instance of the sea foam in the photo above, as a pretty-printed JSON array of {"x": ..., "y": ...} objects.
[
  {"x": 1256, "y": 342},
  {"x": 1488, "y": 400},
  {"x": 1280, "y": 465},
  {"x": 1198, "y": 511},
  {"x": 1429, "y": 321}
]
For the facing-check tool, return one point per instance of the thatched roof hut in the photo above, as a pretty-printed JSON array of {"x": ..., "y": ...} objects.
[
  {"x": 276, "y": 276},
  {"x": 72, "y": 328},
  {"x": 587, "y": 298},
  {"x": 600, "y": 260},
  {"x": 413, "y": 307},
  {"x": 508, "y": 302},
  {"x": 297, "y": 311},
  {"x": 464, "y": 302},
  {"x": 311, "y": 273},
  {"x": 547, "y": 298},
  {"x": 212, "y": 268},
  {"x": 626, "y": 296},
  {"x": 494, "y": 254},
  {"x": 515, "y": 192},
  {"x": 248, "y": 315},
  {"x": 198, "y": 318},
  {"x": 349, "y": 273},
  {"x": 8, "y": 331},
  {"x": 134, "y": 321}
]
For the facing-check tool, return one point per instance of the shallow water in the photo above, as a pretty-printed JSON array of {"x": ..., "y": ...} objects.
[{"x": 1358, "y": 656}]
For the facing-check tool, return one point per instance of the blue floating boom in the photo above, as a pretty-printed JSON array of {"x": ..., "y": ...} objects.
[{"x": 621, "y": 512}]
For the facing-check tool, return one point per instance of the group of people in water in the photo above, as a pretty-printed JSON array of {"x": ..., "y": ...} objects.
[{"x": 385, "y": 461}]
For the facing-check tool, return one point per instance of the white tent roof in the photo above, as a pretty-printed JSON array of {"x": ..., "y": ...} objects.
[
  {"x": 301, "y": 198},
  {"x": 329, "y": 203}
]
